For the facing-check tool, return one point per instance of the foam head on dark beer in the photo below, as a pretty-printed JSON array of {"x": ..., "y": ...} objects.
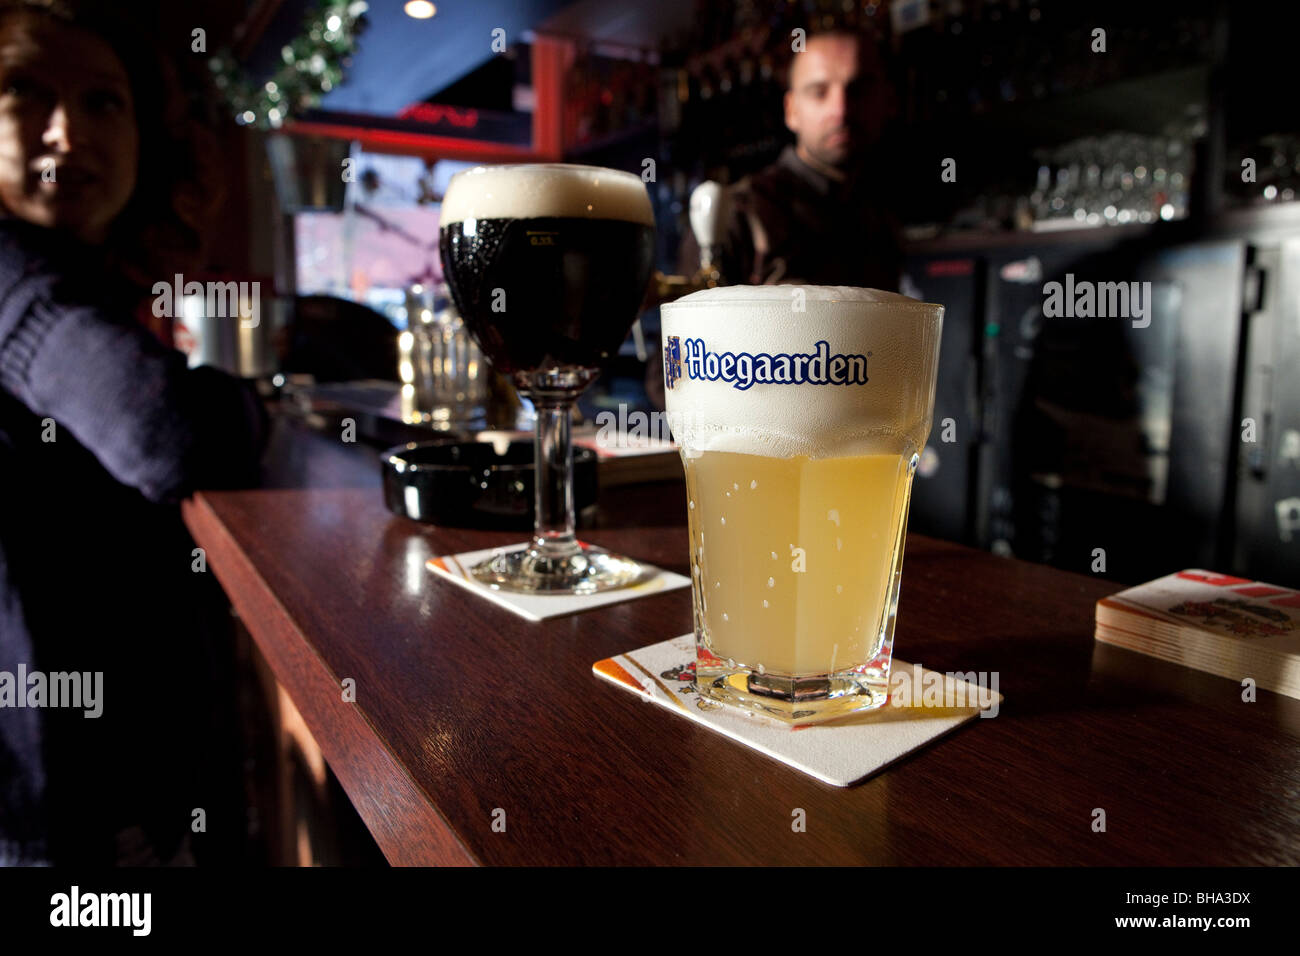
[{"x": 546, "y": 191}]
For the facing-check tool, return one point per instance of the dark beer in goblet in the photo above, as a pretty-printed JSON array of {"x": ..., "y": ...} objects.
[{"x": 548, "y": 264}]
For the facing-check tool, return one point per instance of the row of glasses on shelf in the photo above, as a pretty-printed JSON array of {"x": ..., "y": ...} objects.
[{"x": 1115, "y": 179}]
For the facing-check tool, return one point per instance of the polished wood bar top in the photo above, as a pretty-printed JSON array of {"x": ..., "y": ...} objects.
[{"x": 463, "y": 710}]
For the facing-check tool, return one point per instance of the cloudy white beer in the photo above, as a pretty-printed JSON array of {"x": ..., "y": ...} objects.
[{"x": 801, "y": 413}]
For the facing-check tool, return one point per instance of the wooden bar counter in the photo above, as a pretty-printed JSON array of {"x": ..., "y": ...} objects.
[{"x": 463, "y": 709}]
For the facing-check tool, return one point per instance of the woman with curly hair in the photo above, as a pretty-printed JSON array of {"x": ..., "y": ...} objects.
[{"x": 103, "y": 431}]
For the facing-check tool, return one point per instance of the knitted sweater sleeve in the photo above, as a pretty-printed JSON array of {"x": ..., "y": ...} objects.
[{"x": 154, "y": 424}]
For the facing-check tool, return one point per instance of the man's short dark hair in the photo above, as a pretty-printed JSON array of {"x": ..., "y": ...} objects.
[{"x": 869, "y": 40}]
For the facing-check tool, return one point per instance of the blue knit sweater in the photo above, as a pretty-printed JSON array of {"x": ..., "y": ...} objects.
[{"x": 95, "y": 564}]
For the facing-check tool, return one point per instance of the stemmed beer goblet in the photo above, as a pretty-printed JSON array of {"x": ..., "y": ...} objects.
[{"x": 548, "y": 264}]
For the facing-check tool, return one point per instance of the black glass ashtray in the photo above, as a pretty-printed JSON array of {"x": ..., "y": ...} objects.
[{"x": 471, "y": 484}]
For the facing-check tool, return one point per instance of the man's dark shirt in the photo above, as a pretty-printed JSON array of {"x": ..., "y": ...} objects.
[{"x": 793, "y": 224}]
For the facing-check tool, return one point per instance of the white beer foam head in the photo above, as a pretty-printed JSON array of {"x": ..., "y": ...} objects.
[
  {"x": 889, "y": 414},
  {"x": 545, "y": 190},
  {"x": 784, "y": 296}
]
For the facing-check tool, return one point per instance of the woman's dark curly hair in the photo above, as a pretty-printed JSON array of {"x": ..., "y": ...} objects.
[{"x": 160, "y": 231}]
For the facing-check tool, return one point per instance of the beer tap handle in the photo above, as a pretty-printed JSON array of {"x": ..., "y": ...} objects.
[
  {"x": 708, "y": 215},
  {"x": 708, "y": 220},
  {"x": 638, "y": 341}
]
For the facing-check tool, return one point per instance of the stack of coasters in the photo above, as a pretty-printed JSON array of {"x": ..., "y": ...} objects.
[{"x": 1232, "y": 627}]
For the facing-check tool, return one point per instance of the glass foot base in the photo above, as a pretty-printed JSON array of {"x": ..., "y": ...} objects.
[
  {"x": 795, "y": 699},
  {"x": 533, "y": 571}
]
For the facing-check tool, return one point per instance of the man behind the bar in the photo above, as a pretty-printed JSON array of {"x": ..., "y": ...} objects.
[{"x": 818, "y": 215}]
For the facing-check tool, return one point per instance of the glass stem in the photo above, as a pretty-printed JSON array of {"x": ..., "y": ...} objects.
[{"x": 553, "y": 524}]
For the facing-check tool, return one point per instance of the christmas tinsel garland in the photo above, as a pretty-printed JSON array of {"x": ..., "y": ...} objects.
[{"x": 313, "y": 64}]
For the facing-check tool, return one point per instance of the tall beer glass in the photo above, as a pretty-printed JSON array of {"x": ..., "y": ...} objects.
[
  {"x": 801, "y": 413},
  {"x": 548, "y": 264}
]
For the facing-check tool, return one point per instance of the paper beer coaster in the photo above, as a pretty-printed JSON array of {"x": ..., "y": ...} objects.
[
  {"x": 538, "y": 607},
  {"x": 839, "y": 752}
]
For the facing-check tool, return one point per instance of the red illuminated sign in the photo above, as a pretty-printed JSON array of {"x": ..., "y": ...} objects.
[{"x": 436, "y": 113}]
